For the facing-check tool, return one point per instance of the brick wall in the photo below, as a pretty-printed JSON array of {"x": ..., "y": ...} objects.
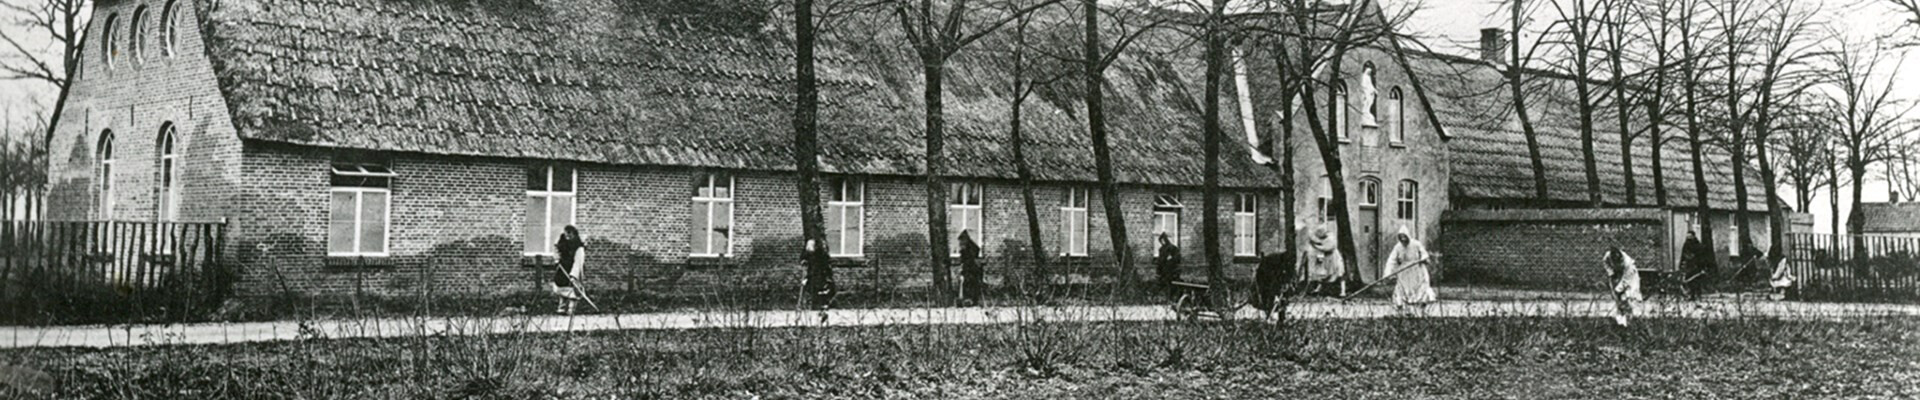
[
  {"x": 456, "y": 226},
  {"x": 1546, "y": 248}
]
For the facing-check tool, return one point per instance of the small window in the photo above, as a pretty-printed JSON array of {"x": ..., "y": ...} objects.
[
  {"x": 169, "y": 33},
  {"x": 712, "y": 215},
  {"x": 1369, "y": 193},
  {"x": 846, "y": 218},
  {"x": 1325, "y": 203},
  {"x": 1166, "y": 220},
  {"x": 107, "y": 50},
  {"x": 169, "y": 196},
  {"x": 1073, "y": 223},
  {"x": 105, "y": 149},
  {"x": 965, "y": 213},
  {"x": 1396, "y": 110},
  {"x": 1246, "y": 236},
  {"x": 361, "y": 195},
  {"x": 550, "y": 207},
  {"x": 138, "y": 38},
  {"x": 1409, "y": 201},
  {"x": 1340, "y": 110}
]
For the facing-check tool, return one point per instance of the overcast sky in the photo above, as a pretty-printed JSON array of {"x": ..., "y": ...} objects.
[{"x": 1451, "y": 26}]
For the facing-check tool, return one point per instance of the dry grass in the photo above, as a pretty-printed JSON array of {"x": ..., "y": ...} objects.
[{"x": 1389, "y": 358}]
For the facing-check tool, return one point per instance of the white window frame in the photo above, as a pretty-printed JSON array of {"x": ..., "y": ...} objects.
[
  {"x": 107, "y": 51},
  {"x": 1078, "y": 198},
  {"x": 1166, "y": 205},
  {"x": 711, "y": 203},
  {"x": 105, "y": 151},
  {"x": 573, "y": 212},
  {"x": 359, "y": 203},
  {"x": 1408, "y": 202},
  {"x": 956, "y": 204},
  {"x": 1399, "y": 110},
  {"x": 856, "y": 208},
  {"x": 1246, "y": 225},
  {"x": 1340, "y": 112},
  {"x": 169, "y": 173},
  {"x": 1325, "y": 202},
  {"x": 169, "y": 30},
  {"x": 133, "y": 33},
  {"x": 1369, "y": 193}
]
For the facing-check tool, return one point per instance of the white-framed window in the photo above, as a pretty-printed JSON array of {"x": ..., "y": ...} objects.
[
  {"x": 846, "y": 219},
  {"x": 1396, "y": 112},
  {"x": 1166, "y": 220},
  {"x": 965, "y": 213},
  {"x": 361, "y": 195},
  {"x": 1369, "y": 193},
  {"x": 169, "y": 29},
  {"x": 1341, "y": 104},
  {"x": 107, "y": 50},
  {"x": 139, "y": 39},
  {"x": 1073, "y": 222},
  {"x": 169, "y": 196},
  {"x": 1246, "y": 233},
  {"x": 105, "y": 153},
  {"x": 550, "y": 206},
  {"x": 1325, "y": 202},
  {"x": 712, "y": 215},
  {"x": 1408, "y": 202}
]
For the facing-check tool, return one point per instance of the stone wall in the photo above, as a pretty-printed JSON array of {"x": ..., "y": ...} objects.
[{"x": 1546, "y": 248}]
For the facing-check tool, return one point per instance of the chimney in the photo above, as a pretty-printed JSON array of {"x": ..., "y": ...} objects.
[{"x": 1493, "y": 45}]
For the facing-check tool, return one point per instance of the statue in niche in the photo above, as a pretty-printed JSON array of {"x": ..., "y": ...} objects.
[{"x": 1370, "y": 97}]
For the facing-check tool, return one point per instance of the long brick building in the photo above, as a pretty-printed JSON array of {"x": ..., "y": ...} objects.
[{"x": 369, "y": 143}]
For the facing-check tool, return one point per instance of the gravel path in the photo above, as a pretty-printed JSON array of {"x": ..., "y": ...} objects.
[{"x": 215, "y": 333}]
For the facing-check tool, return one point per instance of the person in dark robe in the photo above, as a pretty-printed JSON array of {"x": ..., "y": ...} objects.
[
  {"x": 819, "y": 280},
  {"x": 973, "y": 283},
  {"x": 1696, "y": 266},
  {"x": 1272, "y": 282},
  {"x": 1167, "y": 265},
  {"x": 572, "y": 255}
]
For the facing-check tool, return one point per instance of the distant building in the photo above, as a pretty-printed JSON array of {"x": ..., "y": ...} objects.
[{"x": 1890, "y": 219}]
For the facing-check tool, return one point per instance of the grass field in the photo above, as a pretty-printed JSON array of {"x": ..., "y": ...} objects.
[{"x": 1474, "y": 358}]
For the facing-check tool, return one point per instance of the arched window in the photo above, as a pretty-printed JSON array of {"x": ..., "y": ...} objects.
[
  {"x": 134, "y": 35},
  {"x": 1396, "y": 110},
  {"x": 1340, "y": 106},
  {"x": 106, "y": 174},
  {"x": 169, "y": 196},
  {"x": 107, "y": 50},
  {"x": 169, "y": 34},
  {"x": 1369, "y": 193}
]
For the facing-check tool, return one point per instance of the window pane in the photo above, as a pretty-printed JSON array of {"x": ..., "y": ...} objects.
[
  {"x": 835, "y": 225},
  {"x": 702, "y": 223},
  {"x": 722, "y": 187},
  {"x": 535, "y": 232},
  {"x": 340, "y": 224},
  {"x": 537, "y": 178},
  {"x": 722, "y": 227},
  {"x": 563, "y": 179},
  {"x": 373, "y": 222},
  {"x": 561, "y": 215},
  {"x": 856, "y": 240}
]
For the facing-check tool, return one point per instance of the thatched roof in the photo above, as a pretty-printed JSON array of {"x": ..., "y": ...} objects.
[
  {"x": 1890, "y": 217},
  {"x": 669, "y": 82},
  {"x": 1489, "y": 151}
]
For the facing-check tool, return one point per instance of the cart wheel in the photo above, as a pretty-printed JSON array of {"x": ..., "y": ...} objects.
[{"x": 1184, "y": 307}]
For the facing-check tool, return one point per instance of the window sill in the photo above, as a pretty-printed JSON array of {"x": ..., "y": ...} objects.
[
  {"x": 1254, "y": 259},
  {"x": 848, "y": 261},
  {"x": 1397, "y": 145},
  {"x": 358, "y": 262},
  {"x": 698, "y": 262}
]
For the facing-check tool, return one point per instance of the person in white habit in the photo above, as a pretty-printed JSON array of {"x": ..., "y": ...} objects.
[
  {"x": 1407, "y": 266},
  {"x": 1625, "y": 279}
]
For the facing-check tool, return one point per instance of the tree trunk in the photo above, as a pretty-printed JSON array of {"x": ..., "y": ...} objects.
[
  {"x": 1330, "y": 157},
  {"x": 1514, "y": 80},
  {"x": 1626, "y": 134},
  {"x": 1857, "y": 171},
  {"x": 1582, "y": 88},
  {"x": 1776, "y": 217},
  {"x": 1210, "y": 150},
  {"x": 806, "y": 144},
  {"x": 1102, "y": 157},
  {"x": 933, "y": 68},
  {"x": 1026, "y": 182}
]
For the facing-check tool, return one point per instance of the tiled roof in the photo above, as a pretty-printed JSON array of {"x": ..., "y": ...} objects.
[
  {"x": 1489, "y": 151},
  {"x": 671, "y": 82}
]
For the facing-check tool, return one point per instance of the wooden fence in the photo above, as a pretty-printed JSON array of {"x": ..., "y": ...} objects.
[
  {"x": 111, "y": 271},
  {"x": 1855, "y": 267}
]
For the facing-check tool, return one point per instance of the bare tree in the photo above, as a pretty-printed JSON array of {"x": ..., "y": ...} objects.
[
  {"x": 937, "y": 30},
  {"x": 1574, "y": 33},
  {"x": 1692, "y": 57},
  {"x": 1516, "y": 82},
  {"x": 1024, "y": 77},
  {"x": 1785, "y": 49},
  {"x": 1095, "y": 57},
  {"x": 1861, "y": 104},
  {"x": 1805, "y": 145},
  {"x": 810, "y": 19},
  {"x": 1903, "y": 170},
  {"x": 64, "y": 23}
]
